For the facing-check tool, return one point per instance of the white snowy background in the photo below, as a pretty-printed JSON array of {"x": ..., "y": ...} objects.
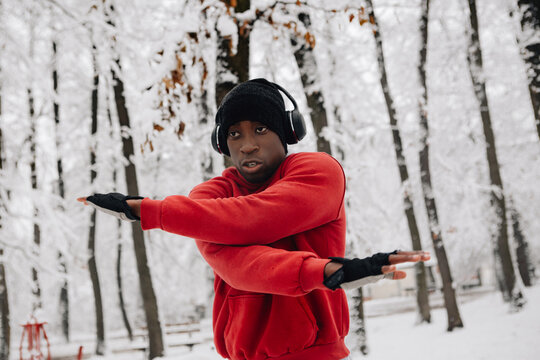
[{"x": 148, "y": 34}]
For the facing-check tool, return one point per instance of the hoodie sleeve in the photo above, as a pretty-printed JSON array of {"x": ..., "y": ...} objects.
[
  {"x": 263, "y": 269},
  {"x": 309, "y": 194}
]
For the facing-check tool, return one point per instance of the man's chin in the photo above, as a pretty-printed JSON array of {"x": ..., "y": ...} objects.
[{"x": 255, "y": 178}]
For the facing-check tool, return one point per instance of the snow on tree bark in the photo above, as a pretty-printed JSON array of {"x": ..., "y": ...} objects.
[
  {"x": 452, "y": 311},
  {"x": 474, "y": 59},
  {"x": 121, "y": 301},
  {"x": 232, "y": 63},
  {"x": 64, "y": 294},
  {"x": 36, "y": 288},
  {"x": 5, "y": 329},
  {"x": 151, "y": 311},
  {"x": 155, "y": 334},
  {"x": 92, "y": 264},
  {"x": 421, "y": 284},
  {"x": 307, "y": 65},
  {"x": 525, "y": 266},
  {"x": 529, "y": 41}
]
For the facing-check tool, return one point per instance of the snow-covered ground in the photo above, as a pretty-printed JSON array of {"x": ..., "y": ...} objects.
[{"x": 491, "y": 332}]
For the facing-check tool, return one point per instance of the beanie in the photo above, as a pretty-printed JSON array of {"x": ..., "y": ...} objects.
[{"x": 253, "y": 100}]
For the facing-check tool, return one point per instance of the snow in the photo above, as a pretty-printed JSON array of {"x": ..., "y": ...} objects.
[{"x": 491, "y": 332}]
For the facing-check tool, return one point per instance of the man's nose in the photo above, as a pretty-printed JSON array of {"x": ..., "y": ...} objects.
[{"x": 249, "y": 146}]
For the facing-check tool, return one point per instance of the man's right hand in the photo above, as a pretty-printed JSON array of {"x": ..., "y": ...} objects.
[
  {"x": 353, "y": 273},
  {"x": 115, "y": 204}
]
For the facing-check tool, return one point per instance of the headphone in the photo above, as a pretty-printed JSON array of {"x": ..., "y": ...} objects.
[{"x": 294, "y": 126}]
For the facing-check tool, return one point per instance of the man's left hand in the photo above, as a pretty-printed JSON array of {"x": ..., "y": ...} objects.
[{"x": 121, "y": 206}]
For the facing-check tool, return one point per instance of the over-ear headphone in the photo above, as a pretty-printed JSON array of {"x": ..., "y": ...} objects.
[{"x": 294, "y": 126}]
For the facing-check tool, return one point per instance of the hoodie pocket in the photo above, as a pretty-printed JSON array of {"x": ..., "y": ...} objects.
[{"x": 262, "y": 325}]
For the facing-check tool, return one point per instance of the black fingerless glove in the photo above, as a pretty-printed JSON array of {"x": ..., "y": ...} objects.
[
  {"x": 358, "y": 272},
  {"x": 114, "y": 204}
]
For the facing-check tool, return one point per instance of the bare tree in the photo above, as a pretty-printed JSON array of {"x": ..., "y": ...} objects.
[
  {"x": 311, "y": 83},
  {"x": 474, "y": 58},
  {"x": 121, "y": 301},
  {"x": 421, "y": 292},
  {"x": 452, "y": 311},
  {"x": 155, "y": 334},
  {"x": 64, "y": 295},
  {"x": 92, "y": 264},
  {"x": 5, "y": 329},
  {"x": 232, "y": 64},
  {"x": 307, "y": 65},
  {"x": 36, "y": 288},
  {"x": 525, "y": 266},
  {"x": 529, "y": 41}
]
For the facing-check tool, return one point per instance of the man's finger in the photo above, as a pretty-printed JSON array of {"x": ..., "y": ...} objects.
[
  {"x": 388, "y": 269},
  {"x": 408, "y": 257},
  {"x": 398, "y": 275},
  {"x": 83, "y": 200},
  {"x": 393, "y": 274},
  {"x": 398, "y": 258},
  {"x": 424, "y": 254}
]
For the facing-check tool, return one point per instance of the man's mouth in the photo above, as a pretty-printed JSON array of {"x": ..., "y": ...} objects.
[{"x": 251, "y": 165}]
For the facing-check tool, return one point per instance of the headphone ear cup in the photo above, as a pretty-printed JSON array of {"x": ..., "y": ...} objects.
[
  {"x": 215, "y": 140},
  {"x": 299, "y": 124},
  {"x": 219, "y": 142},
  {"x": 296, "y": 127}
]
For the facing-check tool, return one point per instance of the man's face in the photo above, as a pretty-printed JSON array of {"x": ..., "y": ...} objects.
[{"x": 256, "y": 151}]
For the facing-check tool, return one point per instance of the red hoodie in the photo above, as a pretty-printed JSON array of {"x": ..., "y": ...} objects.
[{"x": 268, "y": 245}]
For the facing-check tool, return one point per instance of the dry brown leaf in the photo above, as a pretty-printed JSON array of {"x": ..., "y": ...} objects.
[
  {"x": 181, "y": 128},
  {"x": 310, "y": 39}
]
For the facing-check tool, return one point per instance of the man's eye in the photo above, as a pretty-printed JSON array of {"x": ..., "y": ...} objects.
[
  {"x": 261, "y": 129},
  {"x": 233, "y": 133}
]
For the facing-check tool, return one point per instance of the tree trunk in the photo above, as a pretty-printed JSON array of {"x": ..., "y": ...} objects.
[
  {"x": 125, "y": 318},
  {"x": 474, "y": 59},
  {"x": 36, "y": 289},
  {"x": 358, "y": 298},
  {"x": 307, "y": 65},
  {"x": 232, "y": 67},
  {"x": 207, "y": 165},
  {"x": 529, "y": 41},
  {"x": 155, "y": 334},
  {"x": 452, "y": 311},
  {"x": 5, "y": 329},
  {"x": 151, "y": 311},
  {"x": 360, "y": 331},
  {"x": 92, "y": 264},
  {"x": 64, "y": 295},
  {"x": 232, "y": 64},
  {"x": 525, "y": 267},
  {"x": 421, "y": 285}
]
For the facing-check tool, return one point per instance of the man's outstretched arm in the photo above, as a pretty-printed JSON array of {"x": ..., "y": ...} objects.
[
  {"x": 263, "y": 269},
  {"x": 312, "y": 189}
]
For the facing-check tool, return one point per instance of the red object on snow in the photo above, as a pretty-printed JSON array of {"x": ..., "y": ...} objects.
[{"x": 34, "y": 332}]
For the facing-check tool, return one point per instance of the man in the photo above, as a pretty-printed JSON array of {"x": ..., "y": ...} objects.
[{"x": 268, "y": 228}]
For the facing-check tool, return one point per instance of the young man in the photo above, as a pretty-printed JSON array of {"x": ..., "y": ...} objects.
[{"x": 268, "y": 228}]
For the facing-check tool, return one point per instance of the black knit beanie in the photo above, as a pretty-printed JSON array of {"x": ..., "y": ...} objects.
[{"x": 254, "y": 100}]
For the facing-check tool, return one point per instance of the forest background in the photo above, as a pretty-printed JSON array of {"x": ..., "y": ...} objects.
[{"x": 432, "y": 107}]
